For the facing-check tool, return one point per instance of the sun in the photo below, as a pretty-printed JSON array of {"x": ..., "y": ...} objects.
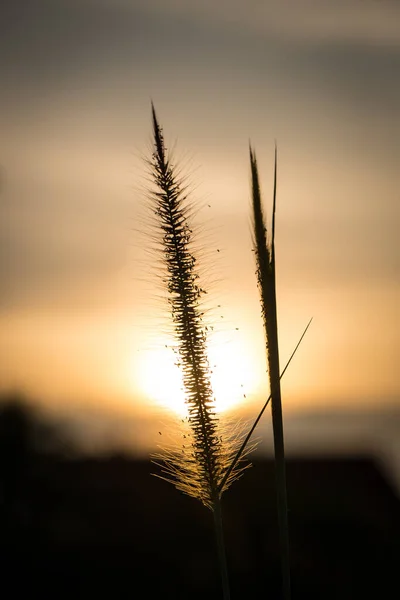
[
  {"x": 233, "y": 374},
  {"x": 161, "y": 380}
]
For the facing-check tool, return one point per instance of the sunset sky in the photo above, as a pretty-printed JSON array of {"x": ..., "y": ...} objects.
[{"x": 81, "y": 329}]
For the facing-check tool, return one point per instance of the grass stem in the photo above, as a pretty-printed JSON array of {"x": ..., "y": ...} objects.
[
  {"x": 197, "y": 467},
  {"x": 260, "y": 414},
  {"x": 266, "y": 272},
  {"x": 221, "y": 547}
]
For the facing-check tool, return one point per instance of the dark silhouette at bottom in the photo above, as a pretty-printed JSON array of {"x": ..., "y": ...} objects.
[{"x": 104, "y": 527}]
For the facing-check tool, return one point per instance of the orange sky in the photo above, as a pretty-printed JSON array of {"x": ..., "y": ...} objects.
[{"x": 80, "y": 328}]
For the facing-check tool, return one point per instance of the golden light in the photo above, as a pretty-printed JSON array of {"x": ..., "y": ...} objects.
[
  {"x": 233, "y": 373},
  {"x": 161, "y": 381}
]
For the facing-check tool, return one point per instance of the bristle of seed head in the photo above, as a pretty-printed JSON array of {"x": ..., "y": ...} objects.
[{"x": 196, "y": 468}]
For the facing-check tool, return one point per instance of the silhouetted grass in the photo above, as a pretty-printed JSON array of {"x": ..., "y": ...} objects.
[
  {"x": 198, "y": 467},
  {"x": 209, "y": 460},
  {"x": 266, "y": 275}
]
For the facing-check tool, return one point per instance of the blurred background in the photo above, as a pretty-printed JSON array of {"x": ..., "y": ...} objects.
[{"x": 85, "y": 342}]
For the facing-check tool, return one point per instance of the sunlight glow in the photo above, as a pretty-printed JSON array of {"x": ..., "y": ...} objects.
[
  {"x": 161, "y": 380},
  {"x": 232, "y": 371}
]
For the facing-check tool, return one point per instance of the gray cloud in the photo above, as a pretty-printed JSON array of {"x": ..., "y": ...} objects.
[
  {"x": 313, "y": 20},
  {"x": 43, "y": 39}
]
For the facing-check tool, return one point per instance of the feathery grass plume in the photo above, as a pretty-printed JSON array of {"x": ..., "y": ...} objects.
[
  {"x": 265, "y": 260},
  {"x": 198, "y": 467}
]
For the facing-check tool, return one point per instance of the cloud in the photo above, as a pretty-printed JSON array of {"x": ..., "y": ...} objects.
[
  {"x": 351, "y": 48},
  {"x": 308, "y": 21}
]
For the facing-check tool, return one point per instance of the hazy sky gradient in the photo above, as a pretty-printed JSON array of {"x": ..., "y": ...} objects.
[{"x": 77, "y": 322}]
